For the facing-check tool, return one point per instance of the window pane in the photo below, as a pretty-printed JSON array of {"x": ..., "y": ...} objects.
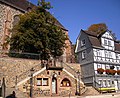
[
  {"x": 104, "y": 83},
  {"x": 65, "y": 83},
  {"x": 105, "y": 42},
  {"x": 83, "y": 42},
  {"x": 109, "y": 43},
  {"x": 99, "y": 66},
  {"x": 108, "y": 83},
  {"x": 100, "y": 82},
  {"x": 39, "y": 81},
  {"x": 83, "y": 54},
  {"x": 107, "y": 67},
  {"x": 45, "y": 81}
]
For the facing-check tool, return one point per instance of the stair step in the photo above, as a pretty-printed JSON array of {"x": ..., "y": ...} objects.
[{"x": 91, "y": 91}]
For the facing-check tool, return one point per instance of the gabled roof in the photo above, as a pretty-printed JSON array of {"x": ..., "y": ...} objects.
[
  {"x": 90, "y": 33},
  {"x": 95, "y": 34},
  {"x": 95, "y": 39}
]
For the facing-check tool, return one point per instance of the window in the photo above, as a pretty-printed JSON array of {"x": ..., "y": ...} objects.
[
  {"x": 83, "y": 54},
  {"x": 112, "y": 67},
  {"x": 42, "y": 81},
  {"x": 100, "y": 82},
  {"x": 83, "y": 42},
  {"x": 45, "y": 82},
  {"x": 39, "y": 81},
  {"x": 112, "y": 82},
  {"x": 110, "y": 54},
  {"x": 99, "y": 53},
  {"x": 118, "y": 68},
  {"x": 65, "y": 83},
  {"x": 105, "y": 42},
  {"x": 106, "y": 53},
  {"x": 108, "y": 83},
  {"x": 99, "y": 66},
  {"x": 109, "y": 43},
  {"x": 117, "y": 56},
  {"x": 16, "y": 19},
  {"x": 104, "y": 83},
  {"x": 107, "y": 67}
]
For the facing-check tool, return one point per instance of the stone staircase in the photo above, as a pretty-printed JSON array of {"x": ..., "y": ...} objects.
[
  {"x": 70, "y": 69},
  {"x": 19, "y": 93},
  {"x": 90, "y": 91}
]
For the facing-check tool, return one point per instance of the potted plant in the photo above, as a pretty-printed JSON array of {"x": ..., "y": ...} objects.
[
  {"x": 100, "y": 70},
  {"x": 118, "y": 72},
  {"x": 110, "y": 71}
]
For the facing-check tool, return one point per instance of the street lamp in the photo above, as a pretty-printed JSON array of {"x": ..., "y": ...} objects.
[
  {"x": 3, "y": 82},
  {"x": 31, "y": 82},
  {"x": 76, "y": 93},
  {"x": 78, "y": 84}
]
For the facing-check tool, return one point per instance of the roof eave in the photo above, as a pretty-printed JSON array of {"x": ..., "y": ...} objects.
[{"x": 22, "y": 10}]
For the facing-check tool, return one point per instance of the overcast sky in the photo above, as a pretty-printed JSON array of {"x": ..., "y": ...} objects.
[{"x": 75, "y": 15}]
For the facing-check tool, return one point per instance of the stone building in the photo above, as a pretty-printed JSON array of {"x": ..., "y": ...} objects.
[
  {"x": 47, "y": 80},
  {"x": 99, "y": 57},
  {"x": 9, "y": 11}
]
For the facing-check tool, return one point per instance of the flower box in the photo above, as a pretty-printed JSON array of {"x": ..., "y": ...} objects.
[
  {"x": 110, "y": 71},
  {"x": 100, "y": 70},
  {"x": 118, "y": 72}
]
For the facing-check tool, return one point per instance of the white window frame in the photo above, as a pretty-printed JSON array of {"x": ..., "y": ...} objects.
[
  {"x": 118, "y": 67},
  {"x": 100, "y": 82},
  {"x": 110, "y": 54},
  {"x": 105, "y": 42},
  {"x": 83, "y": 54},
  {"x": 42, "y": 81},
  {"x": 83, "y": 42},
  {"x": 39, "y": 81},
  {"x": 104, "y": 83},
  {"x": 99, "y": 65},
  {"x": 108, "y": 83},
  {"x": 109, "y": 43},
  {"x": 107, "y": 66},
  {"x": 45, "y": 82}
]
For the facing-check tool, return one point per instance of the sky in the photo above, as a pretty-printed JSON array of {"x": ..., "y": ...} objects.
[{"x": 75, "y": 15}]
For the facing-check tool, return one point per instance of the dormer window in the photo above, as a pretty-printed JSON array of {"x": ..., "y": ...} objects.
[
  {"x": 29, "y": 9},
  {"x": 83, "y": 42}
]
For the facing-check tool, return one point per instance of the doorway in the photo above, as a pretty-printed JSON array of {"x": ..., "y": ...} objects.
[
  {"x": 54, "y": 86},
  {"x": 116, "y": 84}
]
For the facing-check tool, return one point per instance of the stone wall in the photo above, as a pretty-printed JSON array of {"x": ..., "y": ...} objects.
[
  {"x": 12, "y": 67},
  {"x": 7, "y": 14}
]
